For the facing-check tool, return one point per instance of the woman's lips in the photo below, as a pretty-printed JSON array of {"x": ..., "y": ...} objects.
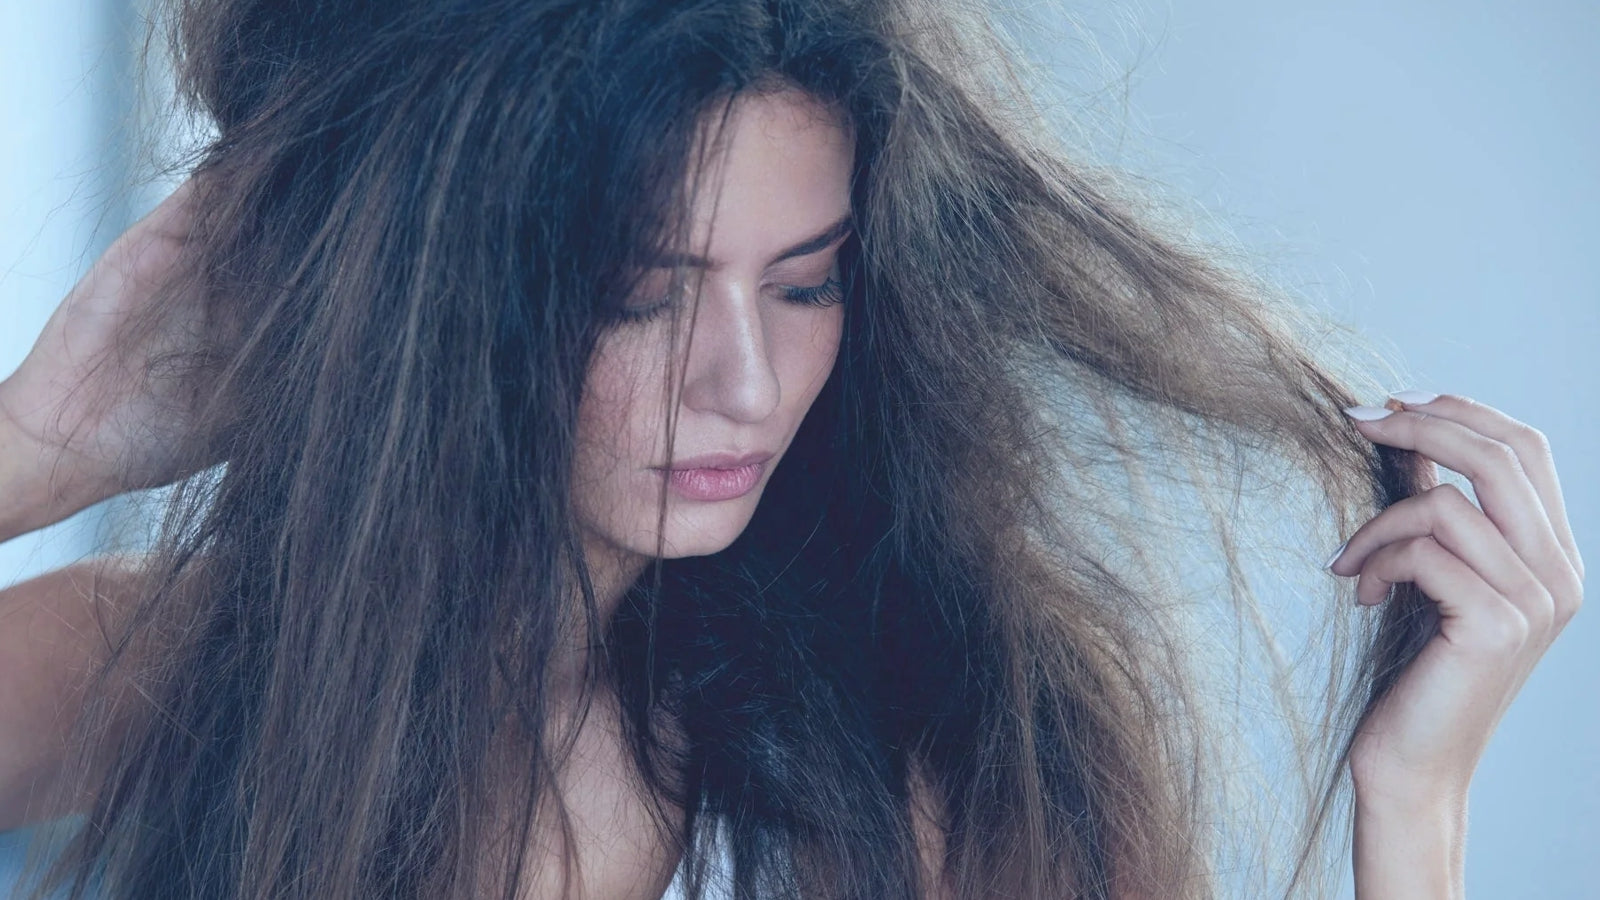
[{"x": 714, "y": 478}]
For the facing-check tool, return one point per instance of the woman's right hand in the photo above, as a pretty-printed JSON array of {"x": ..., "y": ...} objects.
[{"x": 102, "y": 405}]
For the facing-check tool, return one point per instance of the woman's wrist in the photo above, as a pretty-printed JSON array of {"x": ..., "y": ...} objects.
[
  {"x": 35, "y": 490},
  {"x": 1408, "y": 845}
]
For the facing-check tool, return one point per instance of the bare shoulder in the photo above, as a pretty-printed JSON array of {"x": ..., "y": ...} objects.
[
  {"x": 55, "y": 632},
  {"x": 57, "y": 629}
]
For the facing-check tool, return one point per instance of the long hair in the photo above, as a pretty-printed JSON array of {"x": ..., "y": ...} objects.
[{"x": 417, "y": 219}]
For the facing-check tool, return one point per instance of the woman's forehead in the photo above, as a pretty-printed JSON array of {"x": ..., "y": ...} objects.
[{"x": 778, "y": 184}]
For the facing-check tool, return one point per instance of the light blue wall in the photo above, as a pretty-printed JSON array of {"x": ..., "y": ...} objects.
[{"x": 1431, "y": 171}]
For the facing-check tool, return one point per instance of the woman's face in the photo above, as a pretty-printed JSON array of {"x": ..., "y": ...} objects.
[{"x": 770, "y": 214}]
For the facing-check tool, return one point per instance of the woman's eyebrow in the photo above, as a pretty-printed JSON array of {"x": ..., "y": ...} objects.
[{"x": 819, "y": 241}]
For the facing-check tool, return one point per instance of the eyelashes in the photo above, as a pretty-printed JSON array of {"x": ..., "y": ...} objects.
[
  {"x": 823, "y": 295},
  {"x": 820, "y": 296}
]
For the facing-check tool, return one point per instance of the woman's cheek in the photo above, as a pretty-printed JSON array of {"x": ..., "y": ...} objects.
[
  {"x": 606, "y": 408},
  {"x": 828, "y": 333}
]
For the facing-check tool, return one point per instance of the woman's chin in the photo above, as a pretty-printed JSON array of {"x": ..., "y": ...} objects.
[
  {"x": 710, "y": 528},
  {"x": 693, "y": 529}
]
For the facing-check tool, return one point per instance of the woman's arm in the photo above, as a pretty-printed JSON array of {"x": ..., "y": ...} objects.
[
  {"x": 30, "y": 497},
  {"x": 84, "y": 418},
  {"x": 98, "y": 407},
  {"x": 44, "y": 628},
  {"x": 51, "y": 633},
  {"x": 1506, "y": 576},
  {"x": 1410, "y": 849}
]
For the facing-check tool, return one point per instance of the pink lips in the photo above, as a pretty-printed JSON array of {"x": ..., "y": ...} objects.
[{"x": 720, "y": 476}]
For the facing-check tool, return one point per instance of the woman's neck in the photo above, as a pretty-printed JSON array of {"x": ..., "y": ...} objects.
[{"x": 611, "y": 572}]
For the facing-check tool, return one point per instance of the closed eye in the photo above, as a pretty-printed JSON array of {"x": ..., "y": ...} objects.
[
  {"x": 825, "y": 294},
  {"x": 829, "y": 293}
]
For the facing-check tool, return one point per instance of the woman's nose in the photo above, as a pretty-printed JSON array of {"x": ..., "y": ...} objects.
[{"x": 730, "y": 371}]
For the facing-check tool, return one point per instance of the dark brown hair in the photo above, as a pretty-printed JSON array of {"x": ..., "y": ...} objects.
[{"x": 418, "y": 217}]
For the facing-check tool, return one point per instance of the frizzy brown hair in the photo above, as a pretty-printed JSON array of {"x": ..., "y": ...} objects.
[{"x": 418, "y": 218}]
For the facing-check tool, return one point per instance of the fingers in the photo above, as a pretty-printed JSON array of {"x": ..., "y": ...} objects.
[
  {"x": 1502, "y": 485},
  {"x": 1532, "y": 450},
  {"x": 1445, "y": 514},
  {"x": 1474, "y": 615}
]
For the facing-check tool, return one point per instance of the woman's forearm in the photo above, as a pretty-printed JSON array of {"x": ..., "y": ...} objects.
[{"x": 1409, "y": 849}]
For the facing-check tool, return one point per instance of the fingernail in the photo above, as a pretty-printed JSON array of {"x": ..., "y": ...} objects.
[
  {"x": 1414, "y": 398},
  {"x": 1367, "y": 413},
  {"x": 1336, "y": 554}
]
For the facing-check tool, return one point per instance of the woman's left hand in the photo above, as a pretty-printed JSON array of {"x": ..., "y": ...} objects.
[{"x": 1506, "y": 579}]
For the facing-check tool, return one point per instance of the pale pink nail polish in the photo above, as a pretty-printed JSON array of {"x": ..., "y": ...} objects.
[
  {"x": 1414, "y": 398},
  {"x": 1367, "y": 413},
  {"x": 1336, "y": 554}
]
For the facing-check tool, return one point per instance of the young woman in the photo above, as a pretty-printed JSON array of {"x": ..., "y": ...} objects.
[{"x": 619, "y": 434}]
